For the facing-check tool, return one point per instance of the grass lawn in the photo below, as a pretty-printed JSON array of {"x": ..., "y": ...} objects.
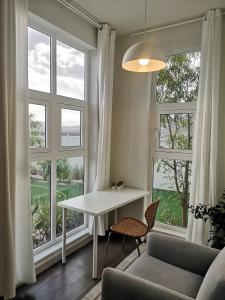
[
  {"x": 169, "y": 211},
  {"x": 40, "y": 191}
]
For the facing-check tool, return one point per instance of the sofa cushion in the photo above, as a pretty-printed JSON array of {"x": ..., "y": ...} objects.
[
  {"x": 213, "y": 285},
  {"x": 167, "y": 275}
]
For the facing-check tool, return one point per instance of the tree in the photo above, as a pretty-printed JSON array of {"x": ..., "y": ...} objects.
[
  {"x": 45, "y": 166},
  {"x": 78, "y": 173},
  {"x": 63, "y": 170},
  {"x": 35, "y": 139},
  {"x": 178, "y": 83}
]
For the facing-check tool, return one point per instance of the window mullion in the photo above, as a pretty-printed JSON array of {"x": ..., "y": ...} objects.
[
  {"x": 53, "y": 65},
  {"x": 53, "y": 200}
]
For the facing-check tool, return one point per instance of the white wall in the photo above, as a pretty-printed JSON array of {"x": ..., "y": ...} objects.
[
  {"x": 55, "y": 13},
  {"x": 130, "y": 120}
]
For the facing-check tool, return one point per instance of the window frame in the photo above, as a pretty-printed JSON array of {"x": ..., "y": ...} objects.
[
  {"x": 160, "y": 112},
  {"x": 82, "y": 127},
  {"x": 53, "y": 103},
  {"x": 164, "y": 153},
  {"x": 47, "y": 125}
]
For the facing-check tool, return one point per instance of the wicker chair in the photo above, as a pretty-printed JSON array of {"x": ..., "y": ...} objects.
[{"x": 134, "y": 228}]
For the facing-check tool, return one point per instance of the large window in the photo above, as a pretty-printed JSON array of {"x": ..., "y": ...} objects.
[
  {"x": 175, "y": 104},
  {"x": 57, "y": 136}
]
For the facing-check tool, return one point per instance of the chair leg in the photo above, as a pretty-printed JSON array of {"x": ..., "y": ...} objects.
[
  {"x": 136, "y": 240},
  {"x": 107, "y": 246},
  {"x": 123, "y": 243}
]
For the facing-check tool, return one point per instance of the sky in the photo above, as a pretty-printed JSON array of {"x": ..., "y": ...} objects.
[
  {"x": 70, "y": 72},
  {"x": 38, "y": 112},
  {"x": 70, "y": 117}
]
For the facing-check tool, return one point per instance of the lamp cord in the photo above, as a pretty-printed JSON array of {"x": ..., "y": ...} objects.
[{"x": 146, "y": 2}]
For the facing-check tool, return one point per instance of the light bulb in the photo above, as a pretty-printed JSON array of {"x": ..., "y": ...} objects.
[{"x": 144, "y": 61}]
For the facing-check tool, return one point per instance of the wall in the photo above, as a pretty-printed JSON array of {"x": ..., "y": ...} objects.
[
  {"x": 55, "y": 13},
  {"x": 131, "y": 102}
]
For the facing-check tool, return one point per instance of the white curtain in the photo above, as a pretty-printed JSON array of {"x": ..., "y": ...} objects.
[
  {"x": 205, "y": 148},
  {"x": 16, "y": 253},
  {"x": 106, "y": 47}
]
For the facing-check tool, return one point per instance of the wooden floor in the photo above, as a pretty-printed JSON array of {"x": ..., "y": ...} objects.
[{"x": 73, "y": 280}]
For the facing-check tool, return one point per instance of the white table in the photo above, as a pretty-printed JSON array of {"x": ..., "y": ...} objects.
[{"x": 97, "y": 204}]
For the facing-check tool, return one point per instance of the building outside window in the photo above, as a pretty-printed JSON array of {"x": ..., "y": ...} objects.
[
  {"x": 176, "y": 96},
  {"x": 57, "y": 81}
]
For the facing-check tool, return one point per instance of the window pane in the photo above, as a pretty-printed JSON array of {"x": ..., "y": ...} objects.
[
  {"x": 172, "y": 184},
  {"x": 70, "y": 71},
  {"x": 176, "y": 131},
  {"x": 40, "y": 177},
  {"x": 70, "y": 184},
  {"x": 38, "y": 61},
  {"x": 70, "y": 127},
  {"x": 37, "y": 126},
  {"x": 178, "y": 82}
]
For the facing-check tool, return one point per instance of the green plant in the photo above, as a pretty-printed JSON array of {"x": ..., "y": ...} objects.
[
  {"x": 41, "y": 229},
  {"x": 216, "y": 215},
  {"x": 35, "y": 139}
]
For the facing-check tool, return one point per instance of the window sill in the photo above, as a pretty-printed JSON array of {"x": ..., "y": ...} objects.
[
  {"x": 46, "y": 258},
  {"x": 172, "y": 230}
]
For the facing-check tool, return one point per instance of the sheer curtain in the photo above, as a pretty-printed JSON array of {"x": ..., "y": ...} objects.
[
  {"x": 106, "y": 47},
  {"x": 16, "y": 251},
  {"x": 205, "y": 148}
]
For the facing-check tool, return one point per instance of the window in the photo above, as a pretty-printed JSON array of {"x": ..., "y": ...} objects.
[
  {"x": 175, "y": 105},
  {"x": 40, "y": 178},
  {"x": 70, "y": 127},
  {"x": 37, "y": 126},
  {"x": 176, "y": 131},
  {"x": 70, "y": 183},
  {"x": 38, "y": 60},
  {"x": 70, "y": 71},
  {"x": 57, "y": 136}
]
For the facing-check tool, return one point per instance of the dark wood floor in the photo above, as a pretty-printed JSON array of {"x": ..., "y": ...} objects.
[{"x": 73, "y": 280}]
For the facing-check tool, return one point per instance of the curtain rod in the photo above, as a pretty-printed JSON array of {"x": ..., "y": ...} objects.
[
  {"x": 77, "y": 10},
  {"x": 169, "y": 26}
]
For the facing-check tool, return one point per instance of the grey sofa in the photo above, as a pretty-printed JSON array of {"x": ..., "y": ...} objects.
[{"x": 170, "y": 269}]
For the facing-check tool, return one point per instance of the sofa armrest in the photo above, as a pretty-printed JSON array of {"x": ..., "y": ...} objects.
[
  {"x": 122, "y": 286},
  {"x": 183, "y": 254}
]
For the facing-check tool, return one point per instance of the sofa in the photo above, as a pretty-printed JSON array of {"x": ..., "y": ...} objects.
[{"x": 169, "y": 269}]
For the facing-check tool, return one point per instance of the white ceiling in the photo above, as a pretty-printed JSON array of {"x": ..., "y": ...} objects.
[{"x": 127, "y": 16}]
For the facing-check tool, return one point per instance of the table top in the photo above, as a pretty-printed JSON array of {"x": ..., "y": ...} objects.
[{"x": 101, "y": 202}]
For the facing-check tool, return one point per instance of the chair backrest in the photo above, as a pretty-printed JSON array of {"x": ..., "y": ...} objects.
[{"x": 150, "y": 213}]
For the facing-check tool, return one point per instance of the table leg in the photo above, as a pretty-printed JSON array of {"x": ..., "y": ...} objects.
[
  {"x": 95, "y": 249},
  {"x": 115, "y": 215},
  {"x": 64, "y": 236}
]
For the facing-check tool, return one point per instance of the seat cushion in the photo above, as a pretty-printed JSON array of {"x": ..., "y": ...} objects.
[
  {"x": 213, "y": 285},
  {"x": 131, "y": 227},
  {"x": 167, "y": 275}
]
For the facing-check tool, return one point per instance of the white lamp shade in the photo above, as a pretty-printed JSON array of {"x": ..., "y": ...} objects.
[{"x": 144, "y": 57}]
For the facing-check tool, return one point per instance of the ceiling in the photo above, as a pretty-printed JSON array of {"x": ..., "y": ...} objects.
[{"x": 127, "y": 16}]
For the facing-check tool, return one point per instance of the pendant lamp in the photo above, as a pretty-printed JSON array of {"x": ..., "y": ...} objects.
[{"x": 144, "y": 56}]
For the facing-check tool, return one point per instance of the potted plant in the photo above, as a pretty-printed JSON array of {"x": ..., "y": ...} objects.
[{"x": 217, "y": 216}]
